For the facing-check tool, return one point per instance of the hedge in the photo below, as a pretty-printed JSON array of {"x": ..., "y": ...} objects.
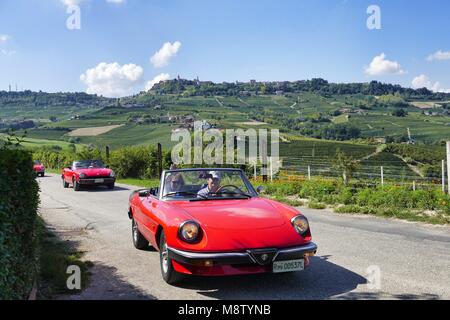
[{"x": 18, "y": 211}]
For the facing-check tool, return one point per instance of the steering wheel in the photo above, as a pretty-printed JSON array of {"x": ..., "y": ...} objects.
[{"x": 229, "y": 185}]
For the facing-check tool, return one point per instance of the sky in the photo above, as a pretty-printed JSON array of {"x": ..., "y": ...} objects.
[{"x": 121, "y": 47}]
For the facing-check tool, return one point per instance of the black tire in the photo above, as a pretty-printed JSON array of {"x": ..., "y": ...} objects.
[
  {"x": 110, "y": 186},
  {"x": 42, "y": 174},
  {"x": 167, "y": 271},
  {"x": 65, "y": 184},
  {"x": 76, "y": 186},
  {"x": 138, "y": 239}
]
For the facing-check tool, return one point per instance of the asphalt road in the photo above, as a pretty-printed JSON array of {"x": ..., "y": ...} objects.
[{"x": 413, "y": 260}]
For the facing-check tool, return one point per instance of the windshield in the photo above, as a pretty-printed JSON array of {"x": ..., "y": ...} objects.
[
  {"x": 37, "y": 162},
  {"x": 85, "y": 164},
  {"x": 206, "y": 185}
]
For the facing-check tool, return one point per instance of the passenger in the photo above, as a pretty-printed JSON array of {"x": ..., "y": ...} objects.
[{"x": 174, "y": 183}]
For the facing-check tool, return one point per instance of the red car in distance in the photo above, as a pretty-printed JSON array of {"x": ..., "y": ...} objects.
[
  {"x": 38, "y": 168},
  {"x": 212, "y": 222},
  {"x": 88, "y": 173}
]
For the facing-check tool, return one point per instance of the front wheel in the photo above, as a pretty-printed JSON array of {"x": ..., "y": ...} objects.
[
  {"x": 168, "y": 272},
  {"x": 110, "y": 186},
  {"x": 76, "y": 185},
  {"x": 138, "y": 239},
  {"x": 65, "y": 184}
]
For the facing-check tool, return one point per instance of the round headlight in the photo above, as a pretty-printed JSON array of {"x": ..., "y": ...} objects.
[
  {"x": 300, "y": 224},
  {"x": 112, "y": 174},
  {"x": 189, "y": 231},
  {"x": 82, "y": 175}
]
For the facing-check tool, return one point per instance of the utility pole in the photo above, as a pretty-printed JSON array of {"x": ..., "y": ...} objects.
[
  {"x": 443, "y": 176},
  {"x": 448, "y": 166},
  {"x": 382, "y": 177},
  {"x": 309, "y": 172},
  {"x": 160, "y": 168},
  {"x": 271, "y": 169}
]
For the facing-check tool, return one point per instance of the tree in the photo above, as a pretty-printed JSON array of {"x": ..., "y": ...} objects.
[
  {"x": 399, "y": 113},
  {"x": 345, "y": 165}
]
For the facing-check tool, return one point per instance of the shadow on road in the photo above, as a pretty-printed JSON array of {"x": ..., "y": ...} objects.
[
  {"x": 106, "y": 284},
  {"x": 102, "y": 189},
  {"x": 382, "y": 295},
  {"x": 321, "y": 280}
]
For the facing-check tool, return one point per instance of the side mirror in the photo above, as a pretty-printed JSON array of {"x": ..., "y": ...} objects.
[
  {"x": 260, "y": 189},
  {"x": 144, "y": 193}
]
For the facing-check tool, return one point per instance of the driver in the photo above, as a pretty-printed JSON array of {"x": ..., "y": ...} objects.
[{"x": 213, "y": 185}]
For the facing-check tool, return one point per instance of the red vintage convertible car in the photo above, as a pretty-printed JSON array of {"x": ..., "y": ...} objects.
[
  {"x": 39, "y": 168},
  {"x": 88, "y": 173},
  {"x": 212, "y": 222}
]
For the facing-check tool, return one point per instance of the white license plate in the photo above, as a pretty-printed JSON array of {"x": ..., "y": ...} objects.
[
  {"x": 288, "y": 266},
  {"x": 99, "y": 180}
]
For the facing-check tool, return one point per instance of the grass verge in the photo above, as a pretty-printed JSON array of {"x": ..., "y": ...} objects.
[
  {"x": 143, "y": 183},
  {"x": 54, "y": 258}
]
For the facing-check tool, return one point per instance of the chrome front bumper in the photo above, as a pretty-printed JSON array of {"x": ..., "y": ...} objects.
[{"x": 263, "y": 256}]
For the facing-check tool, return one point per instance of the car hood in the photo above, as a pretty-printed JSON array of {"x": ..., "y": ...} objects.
[
  {"x": 38, "y": 167},
  {"x": 255, "y": 213},
  {"x": 236, "y": 225},
  {"x": 95, "y": 172}
]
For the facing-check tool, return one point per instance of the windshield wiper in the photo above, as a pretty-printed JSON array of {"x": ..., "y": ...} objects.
[{"x": 181, "y": 193}]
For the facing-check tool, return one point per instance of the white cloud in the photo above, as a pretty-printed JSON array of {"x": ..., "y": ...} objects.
[
  {"x": 69, "y": 3},
  {"x": 112, "y": 79},
  {"x": 424, "y": 81},
  {"x": 7, "y": 52},
  {"x": 381, "y": 66},
  {"x": 439, "y": 55},
  {"x": 115, "y": 1},
  {"x": 4, "y": 38},
  {"x": 157, "y": 79},
  {"x": 163, "y": 56}
]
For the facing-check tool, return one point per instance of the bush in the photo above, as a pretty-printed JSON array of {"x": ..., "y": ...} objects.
[
  {"x": 137, "y": 162},
  {"x": 18, "y": 211},
  {"x": 319, "y": 189}
]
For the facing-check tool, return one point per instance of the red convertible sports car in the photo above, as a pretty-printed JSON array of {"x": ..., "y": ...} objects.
[
  {"x": 39, "y": 168},
  {"x": 212, "y": 222},
  {"x": 88, "y": 173}
]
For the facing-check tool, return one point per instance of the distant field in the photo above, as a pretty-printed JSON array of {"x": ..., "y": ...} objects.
[
  {"x": 92, "y": 131},
  {"x": 131, "y": 134},
  {"x": 32, "y": 144},
  {"x": 318, "y": 154}
]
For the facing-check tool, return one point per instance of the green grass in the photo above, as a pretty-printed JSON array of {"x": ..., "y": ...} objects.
[
  {"x": 55, "y": 256},
  {"x": 133, "y": 135},
  {"x": 142, "y": 183},
  {"x": 33, "y": 144}
]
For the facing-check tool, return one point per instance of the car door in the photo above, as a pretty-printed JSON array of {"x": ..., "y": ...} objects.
[
  {"x": 148, "y": 221},
  {"x": 67, "y": 175}
]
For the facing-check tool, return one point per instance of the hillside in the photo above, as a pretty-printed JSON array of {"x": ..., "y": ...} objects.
[{"x": 349, "y": 117}]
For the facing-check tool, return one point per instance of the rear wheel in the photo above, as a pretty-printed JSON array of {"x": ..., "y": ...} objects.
[
  {"x": 138, "y": 239},
  {"x": 168, "y": 272},
  {"x": 76, "y": 186}
]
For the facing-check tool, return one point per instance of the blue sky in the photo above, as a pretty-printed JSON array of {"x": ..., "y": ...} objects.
[{"x": 221, "y": 41}]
